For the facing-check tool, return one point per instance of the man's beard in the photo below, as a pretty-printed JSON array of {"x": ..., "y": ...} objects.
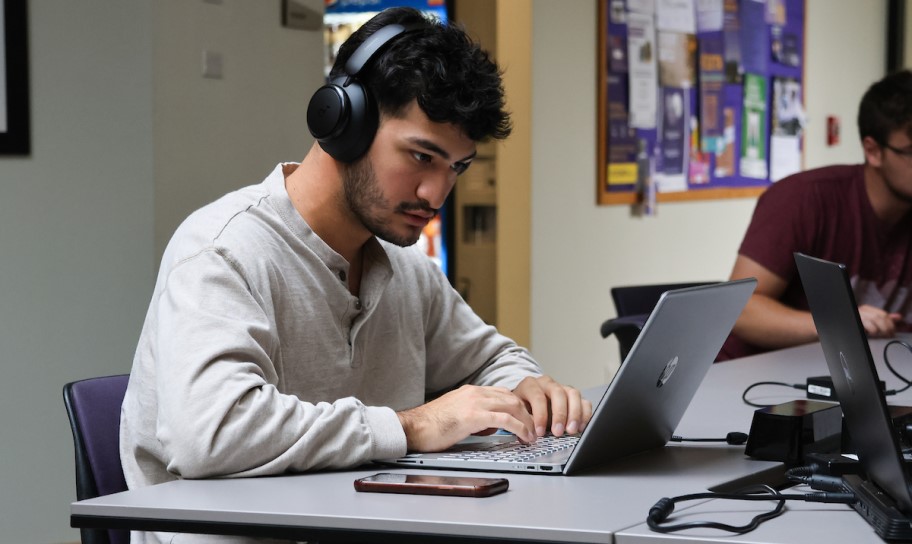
[
  {"x": 366, "y": 202},
  {"x": 896, "y": 191}
]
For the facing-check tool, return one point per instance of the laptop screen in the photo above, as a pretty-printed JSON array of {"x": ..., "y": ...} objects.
[{"x": 848, "y": 356}]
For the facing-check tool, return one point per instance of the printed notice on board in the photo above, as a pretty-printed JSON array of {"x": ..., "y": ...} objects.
[
  {"x": 676, "y": 16},
  {"x": 673, "y": 164},
  {"x": 709, "y": 15},
  {"x": 754, "y": 130},
  {"x": 641, "y": 62},
  {"x": 621, "y": 145},
  {"x": 788, "y": 124}
]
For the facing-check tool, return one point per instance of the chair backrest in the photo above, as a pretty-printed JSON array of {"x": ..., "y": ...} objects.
[
  {"x": 93, "y": 406},
  {"x": 633, "y": 305},
  {"x": 641, "y": 299}
]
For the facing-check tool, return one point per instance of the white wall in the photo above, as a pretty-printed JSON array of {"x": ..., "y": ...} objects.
[
  {"x": 216, "y": 135},
  {"x": 580, "y": 250},
  {"x": 76, "y": 253},
  {"x": 128, "y": 138}
]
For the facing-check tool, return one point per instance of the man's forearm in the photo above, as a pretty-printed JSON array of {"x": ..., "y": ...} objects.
[{"x": 767, "y": 323}]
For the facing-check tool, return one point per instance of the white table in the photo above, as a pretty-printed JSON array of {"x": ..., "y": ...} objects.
[{"x": 602, "y": 505}]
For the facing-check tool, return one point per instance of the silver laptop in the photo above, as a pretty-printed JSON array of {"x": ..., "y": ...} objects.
[
  {"x": 641, "y": 406},
  {"x": 884, "y": 495}
]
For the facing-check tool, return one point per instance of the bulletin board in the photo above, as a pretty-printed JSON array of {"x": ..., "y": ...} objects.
[{"x": 698, "y": 99}]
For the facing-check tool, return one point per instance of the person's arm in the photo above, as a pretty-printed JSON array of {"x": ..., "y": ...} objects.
[
  {"x": 219, "y": 410},
  {"x": 878, "y": 323},
  {"x": 766, "y": 322},
  {"x": 503, "y": 387}
]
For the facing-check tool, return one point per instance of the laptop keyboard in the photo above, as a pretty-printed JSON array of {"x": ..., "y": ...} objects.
[{"x": 516, "y": 451}]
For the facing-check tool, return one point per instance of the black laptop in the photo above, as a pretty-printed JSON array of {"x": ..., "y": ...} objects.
[{"x": 883, "y": 495}]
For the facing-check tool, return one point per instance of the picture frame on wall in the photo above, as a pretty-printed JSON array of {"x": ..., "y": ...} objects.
[{"x": 14, "y": 81}]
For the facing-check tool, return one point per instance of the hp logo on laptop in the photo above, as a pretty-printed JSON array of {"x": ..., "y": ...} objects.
[
  {"x": 845, "y": 370},
  {"x": 667, "y": 371}
]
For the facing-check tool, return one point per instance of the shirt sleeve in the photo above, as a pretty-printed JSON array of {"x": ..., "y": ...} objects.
[
  {"x": 220, "y": 411},
  {"x": 462, "y": 348},
  {"x": 784, "y": 221}
]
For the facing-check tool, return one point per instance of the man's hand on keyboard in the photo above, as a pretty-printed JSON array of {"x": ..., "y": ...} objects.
[
  {"x": 470, "y": 409},
  {"x": 569, "y": 411}
]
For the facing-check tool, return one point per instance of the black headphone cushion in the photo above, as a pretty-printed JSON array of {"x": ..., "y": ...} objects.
[{"x": 343, "y": 118}]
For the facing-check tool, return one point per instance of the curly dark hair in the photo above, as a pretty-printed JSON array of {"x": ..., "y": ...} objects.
[
  {"x": 452, "y": 78},
  {"x": 886, "y": 107}
]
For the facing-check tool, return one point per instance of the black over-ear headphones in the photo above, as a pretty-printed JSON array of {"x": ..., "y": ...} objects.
[{"x": 342, "y": 115}]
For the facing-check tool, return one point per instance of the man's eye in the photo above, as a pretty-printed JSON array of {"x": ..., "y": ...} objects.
[
  {"x": 421, "y": 157},
  {"x": 460, "y": 167}
]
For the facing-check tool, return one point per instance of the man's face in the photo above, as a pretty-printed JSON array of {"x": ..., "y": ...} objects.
[
  {"x": 894, "y": 159},
  {"x": 402, "y": 182}
]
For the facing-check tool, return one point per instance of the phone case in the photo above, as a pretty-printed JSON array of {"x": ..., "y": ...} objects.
[{"x": 428, "y": 484}]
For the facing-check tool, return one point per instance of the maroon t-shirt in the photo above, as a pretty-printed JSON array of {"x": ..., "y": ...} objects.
[{"x": 826, "y": 213}]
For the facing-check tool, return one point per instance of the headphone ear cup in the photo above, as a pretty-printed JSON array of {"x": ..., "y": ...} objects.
[
  {"x": 343, "y": 118},
  {"x": 328, "y": 112}
]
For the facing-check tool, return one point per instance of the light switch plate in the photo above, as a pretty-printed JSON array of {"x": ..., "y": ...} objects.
[{"x": 212, "y": 64}]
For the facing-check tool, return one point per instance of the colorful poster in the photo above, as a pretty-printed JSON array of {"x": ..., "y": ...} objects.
[
  {"x": 788, "y": 121},
  {"x": 712, "y": 76},
  {"x": 725, "y": 158},
  {"x": 754, "y": 133},
  {"x": 617, "y": 55},
  {"x": 677, "y": 60},
  {"x": 699, "y": 163},
  {"x": 617, "y": 38},
  {"x": 788, "y": 113},
  {"x": 786, "y": 44},
  {"x": 755, "y": 49},
  {"x": 731, "y": 41},
  {"x": 622, "y": 145},
  {"x": 672, "y": 164},
  {"x": 727, "y": 161}
]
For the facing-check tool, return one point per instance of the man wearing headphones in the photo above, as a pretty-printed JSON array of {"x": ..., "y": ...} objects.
[{"x": 294, "y": 327}]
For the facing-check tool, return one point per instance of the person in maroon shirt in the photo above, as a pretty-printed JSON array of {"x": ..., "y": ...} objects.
[{"x": 857, "y": 215}]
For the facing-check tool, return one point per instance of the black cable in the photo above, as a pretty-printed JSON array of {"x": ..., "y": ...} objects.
[
  {"x": 665, "y": 506},
  {"x": 808, "y": 476},
  {"x": 803, "y": 387},
  {"x": 886, "y": 359},
  {"x": 733, "y": 438},
  {"x": 783, "y": 384}
]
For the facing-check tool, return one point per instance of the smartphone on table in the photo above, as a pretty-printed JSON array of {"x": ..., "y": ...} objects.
[{"x": 430, "y": 484}]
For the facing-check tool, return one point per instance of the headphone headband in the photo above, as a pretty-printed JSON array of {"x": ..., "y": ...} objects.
[
  {"x": 370, "y": 46},
  {"x": 342, "y": 114}
]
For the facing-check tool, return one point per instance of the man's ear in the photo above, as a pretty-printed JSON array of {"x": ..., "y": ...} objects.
[{"x": 873, "y": 152}]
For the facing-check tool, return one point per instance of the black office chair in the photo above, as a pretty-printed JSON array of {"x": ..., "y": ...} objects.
[
  {"x": 633, "y": 305},
  {"x": 93, "y": 406}
]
